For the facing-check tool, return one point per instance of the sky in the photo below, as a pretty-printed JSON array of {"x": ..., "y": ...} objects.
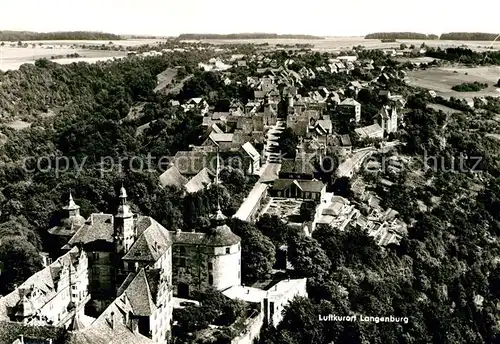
[{"x": 315, "y": 17}]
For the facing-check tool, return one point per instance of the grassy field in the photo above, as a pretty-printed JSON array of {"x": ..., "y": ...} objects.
[
  {"x": 442, "y": 80},
  {"x": 13, "y": 58}
]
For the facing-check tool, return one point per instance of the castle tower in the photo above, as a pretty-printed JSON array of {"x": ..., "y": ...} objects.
[
  {"x": 123, "y": 224},
  {"x": 223, "y": 249},
  {"x": 73, "y": 217}
]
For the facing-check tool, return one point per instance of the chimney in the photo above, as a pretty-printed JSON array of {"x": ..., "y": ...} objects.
[
  {"x": 178, "y": 231},
  {"x": 248, "y": 291}
]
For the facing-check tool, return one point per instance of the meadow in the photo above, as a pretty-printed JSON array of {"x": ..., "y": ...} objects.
[{"x": 442, "y": 79}]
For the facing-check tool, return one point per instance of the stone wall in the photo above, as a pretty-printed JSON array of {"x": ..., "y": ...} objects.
[
  {"x": 189, "y": 267},
  {"x": 252, "y": 331}
]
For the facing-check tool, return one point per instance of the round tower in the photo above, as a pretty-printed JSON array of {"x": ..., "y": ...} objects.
[{"x": 223, "y": 249}]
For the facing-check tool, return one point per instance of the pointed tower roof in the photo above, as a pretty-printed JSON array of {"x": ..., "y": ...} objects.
[
  {"x": 123, "y": 192},
  {"x": 71, "y": 204}
]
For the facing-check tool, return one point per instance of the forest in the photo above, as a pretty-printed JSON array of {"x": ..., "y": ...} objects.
[
  {"x": 400, "y": 35},
  {"x": 469, "y": 36},
  {"x": 15, "y": 36}
]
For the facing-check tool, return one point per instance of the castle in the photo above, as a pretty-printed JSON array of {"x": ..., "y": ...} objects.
[{"x": 126, "y": 269}]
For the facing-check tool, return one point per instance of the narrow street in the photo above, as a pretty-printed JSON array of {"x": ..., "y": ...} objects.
[{"x": 272, "y": 155}]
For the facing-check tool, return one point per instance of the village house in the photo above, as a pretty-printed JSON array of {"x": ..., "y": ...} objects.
[
  {"x": 298, "y": 189},
  {"x": 52, "y": 296},
  {"x": 344, "y": 146},
  {"x": 334, "y": 211},
  {"x": 351, "y": 108},
  {"x": 301, "y": 168},
  {"x": 370, "y": 131},
  {"x": 198, "y": 105},
  {"x": 253, "y": 154}
]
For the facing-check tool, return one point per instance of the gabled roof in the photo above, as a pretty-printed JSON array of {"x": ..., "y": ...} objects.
[
  {"x": 221, "y": 137},
  {"x": 152, "y": 241},
  {"x": 192, "y": 162},
  {"x": 345, "y": 140},
  {"x": 99, "y": 228},
  {"x": 251, "y": 151},
  {"x": 199, "y": 181},
  {"x": 172, "y": 177},
  {"x": 370, "y": 130},
  {"x": 140, "y": 295},
  {"x": 305, "y": 185},
  {"x": 42, "y": 284},
  {"x": 216, "y": 129},
  {"x": 297, "y": 166},
  {"x": 350, "y": 102},
  {"x": 325, "y": 124},
  {"x": 195, "y": 100}
]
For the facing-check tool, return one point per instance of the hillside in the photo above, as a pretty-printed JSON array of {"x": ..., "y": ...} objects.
[{"x": 15, "y": 36}]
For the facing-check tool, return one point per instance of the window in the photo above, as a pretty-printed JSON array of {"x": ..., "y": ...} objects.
[
  {"x": 210, "y": 266},
  {"x": 239, "y": 274},
  {"x": 210, "y": 279},
  {"x": 73, "y": 287},
  {"x": 182, "y": 262},
  {"x": 182, "y": 250},
  {"x": 228, "y": 250}
]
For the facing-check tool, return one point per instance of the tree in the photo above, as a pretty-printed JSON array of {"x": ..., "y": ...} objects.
[
  {"x": 20, "y": 260},
  {"x": 258, "y": 253},
  {"x": 307, "y": 210},
  {"x": 308, "y": 258},
  {"x": 273, "y": 227},
  {"x": 288, "y": 143}
]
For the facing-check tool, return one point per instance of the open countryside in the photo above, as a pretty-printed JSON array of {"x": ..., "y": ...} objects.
[
  {"x": 442, "y": 79},
  {"x": 12, "y": 57}
]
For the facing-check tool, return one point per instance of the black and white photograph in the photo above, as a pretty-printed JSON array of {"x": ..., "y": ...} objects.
[{"x": 264, "y": 172}]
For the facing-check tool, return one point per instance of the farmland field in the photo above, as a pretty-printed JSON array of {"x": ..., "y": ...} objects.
[
  {"x": 443, "y": 79},
  {"x": 13, "y": 58},
  {"x": 340, "y": 43}
]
